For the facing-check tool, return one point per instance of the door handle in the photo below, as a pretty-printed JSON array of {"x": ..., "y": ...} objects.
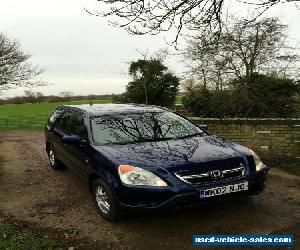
[{"x": 87, "y": 162}]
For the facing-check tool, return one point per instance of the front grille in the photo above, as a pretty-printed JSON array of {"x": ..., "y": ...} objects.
[{"x": 197, "y": 177}]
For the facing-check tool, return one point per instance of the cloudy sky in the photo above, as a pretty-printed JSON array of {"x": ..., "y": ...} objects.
[{"x": 82, "y": 53}]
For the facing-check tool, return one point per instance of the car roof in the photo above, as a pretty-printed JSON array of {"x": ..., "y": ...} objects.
[{"x": 110, "y": 109}]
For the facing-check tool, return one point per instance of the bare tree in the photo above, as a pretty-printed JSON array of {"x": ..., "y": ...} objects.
[
  {"x": 243, "y": 48},
  {"x": 15, "y": 68},
  {"x": 39, "y": 96},
  {"x": 66, "y": 95},
  {"x": 154, "y": 16},
  {"x": 203, "y": 62},
  {"x": 29, "y": 96},
  {"x": 188, "y": 83}
]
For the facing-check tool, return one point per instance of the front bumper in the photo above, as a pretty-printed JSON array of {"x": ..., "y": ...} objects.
[{"x": 188, "y": 195}]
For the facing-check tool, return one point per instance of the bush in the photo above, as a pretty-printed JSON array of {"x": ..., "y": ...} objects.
[
  {"x": 258, "y": 96},
  {"x": 198, "y": 99}
]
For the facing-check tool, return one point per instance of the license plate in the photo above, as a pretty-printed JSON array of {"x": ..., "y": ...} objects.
[{"x": 224, "y": 190}]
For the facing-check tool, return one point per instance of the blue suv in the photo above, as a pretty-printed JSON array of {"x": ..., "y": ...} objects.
[{"x": 147, "y": 157}]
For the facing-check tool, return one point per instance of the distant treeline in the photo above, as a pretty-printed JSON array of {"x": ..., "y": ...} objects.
[{"x": 52, "y": 98}]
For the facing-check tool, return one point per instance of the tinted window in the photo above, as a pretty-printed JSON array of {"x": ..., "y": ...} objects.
[
  {"x": 77, "y": 126},
  {"x": 141, "y": 127},
  {"x": 63, "y": 122},
  {"x": 55, "y": 115}
]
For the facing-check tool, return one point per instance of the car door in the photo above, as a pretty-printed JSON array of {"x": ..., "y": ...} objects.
[
  {"x": 60, "y": 129},
  {"x": 55, "y": 116},
  {"x": 77, "y": 152}
]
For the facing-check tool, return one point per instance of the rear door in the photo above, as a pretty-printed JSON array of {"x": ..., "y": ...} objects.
[{"x": 78, "y": 152}]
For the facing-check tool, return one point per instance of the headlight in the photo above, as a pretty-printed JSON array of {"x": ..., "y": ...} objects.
[
  {"x": 257, "y": 161},
  {"x": 138, "y": 176}
]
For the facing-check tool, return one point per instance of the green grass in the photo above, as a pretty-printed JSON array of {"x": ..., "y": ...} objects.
[
  {"x": 288, "y": 164},
  {"x": 15, "y": 239},
  {"x": 31, "y": 116},
  {"x": 292, "y": 167},
  {"x": 178, "y": 99}
]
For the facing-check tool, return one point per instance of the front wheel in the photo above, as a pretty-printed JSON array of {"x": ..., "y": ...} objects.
[{"x": 106, "y": 203}]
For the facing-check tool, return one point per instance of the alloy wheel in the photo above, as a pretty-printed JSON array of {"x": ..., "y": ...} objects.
[{"x": 102, "y": 199}]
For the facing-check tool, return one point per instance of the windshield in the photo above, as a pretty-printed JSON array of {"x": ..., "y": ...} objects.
[{"x": 140, "y": 127}]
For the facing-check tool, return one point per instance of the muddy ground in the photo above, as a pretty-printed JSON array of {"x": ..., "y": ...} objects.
[{"x": 58, "y": 203}]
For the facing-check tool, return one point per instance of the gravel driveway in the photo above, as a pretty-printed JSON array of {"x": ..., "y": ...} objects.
[{"x": 58, "y": 202}]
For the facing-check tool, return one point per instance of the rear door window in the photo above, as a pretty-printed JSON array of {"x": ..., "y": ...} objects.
[{"x": 77, "y": 125}]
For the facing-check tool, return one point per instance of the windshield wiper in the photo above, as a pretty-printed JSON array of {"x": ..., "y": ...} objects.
[
  {"x": 151, "y": 139},
  {"x": 187, "y": 136}
]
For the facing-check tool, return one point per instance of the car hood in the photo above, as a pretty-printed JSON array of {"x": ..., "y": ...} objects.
[{"x": 178, "y": 154}]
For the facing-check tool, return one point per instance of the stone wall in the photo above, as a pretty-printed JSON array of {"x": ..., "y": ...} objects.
[{"x": 271, "y": 138}]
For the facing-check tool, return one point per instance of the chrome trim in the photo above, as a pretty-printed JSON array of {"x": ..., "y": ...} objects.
[
  {"x": 186, "y": 178},
  {"x": 196, "y": 175},
  {"x": 234, "y": 170},
  {"x": 182, "y": 179}
]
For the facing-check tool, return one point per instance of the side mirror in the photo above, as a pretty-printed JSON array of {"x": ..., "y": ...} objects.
[
  {"x": 203, "y": 127},
  {"x": 71, "y": 139}
]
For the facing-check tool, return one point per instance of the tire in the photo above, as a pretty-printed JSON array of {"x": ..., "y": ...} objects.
[
  {"x": 53, "y": 161},
  {"x": 105, "y": 200}
]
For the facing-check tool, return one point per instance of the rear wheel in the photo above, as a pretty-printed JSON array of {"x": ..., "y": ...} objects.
[
  {"x": 53, "y": 161},
  {"x": 106, "y": 203}
]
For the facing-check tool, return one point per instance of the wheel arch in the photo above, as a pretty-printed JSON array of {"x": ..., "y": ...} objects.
[
  {"x": 92, "y": 177},
  {"x": 106, "y": 176},
  {"x": 48, "y": 145}
]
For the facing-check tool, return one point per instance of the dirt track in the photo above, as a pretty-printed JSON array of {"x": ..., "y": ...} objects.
[{"x": 59, "y": 202}]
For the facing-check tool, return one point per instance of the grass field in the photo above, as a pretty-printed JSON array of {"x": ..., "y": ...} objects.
[
  {"x": 178, "y": 99},
  {"x": 33, "y": 116}
]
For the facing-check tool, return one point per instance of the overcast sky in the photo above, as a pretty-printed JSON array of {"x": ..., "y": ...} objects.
[{"x": 82, "y": 53}]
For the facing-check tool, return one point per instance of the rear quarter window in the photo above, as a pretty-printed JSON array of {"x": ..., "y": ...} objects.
[{"x": 55, "y": 115}]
